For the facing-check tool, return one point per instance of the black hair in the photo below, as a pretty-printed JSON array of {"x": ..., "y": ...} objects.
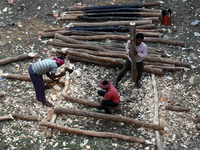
[
  {"x": 60, "y": 57},
  {"x": 139, "y": 36},
  {"x": 105, "y": 82}
]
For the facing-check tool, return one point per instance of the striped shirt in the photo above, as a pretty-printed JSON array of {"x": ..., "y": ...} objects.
[
  {"x": 142, "y": 51},
  {"x": 44, "y": 66}
]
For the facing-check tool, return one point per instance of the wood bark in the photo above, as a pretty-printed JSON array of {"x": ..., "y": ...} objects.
[
  {"x": 26, "y": 78},
  {"x": 93, "y": 133},
  {"x": 74, "y": 41},
  {"x": 132, "y": 51},
  {"x": 156, "y": 71},
  {"x": 6, "y": 117},
  {"x": 88, "y": 103},
  {"x": 156, "y": 113},
  {"x": 76, "y": 8},
  {"x": 26, "y": 117},
  {"x": 53, "y": 29},
  {"x": 107, "y": 117},
  {"x": 196, "y": 120},
  {"x": 176, "y": 108},
  {"x": 17, "y": 58},
  {"x": 110, "y": 23},
  {"x": 146, "y": 26},
  {"x": 2, "y": 94}
]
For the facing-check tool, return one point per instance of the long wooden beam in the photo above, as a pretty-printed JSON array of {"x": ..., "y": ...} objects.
[
  {"x": 93, "y": 133},
  {"x": 107, "y": 117},
  {"x": 88, "y": 103}
]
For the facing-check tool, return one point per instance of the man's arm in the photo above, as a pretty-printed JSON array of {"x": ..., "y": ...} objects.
[
  {"x": 143, "y": 53},
  {"x": 52, "y": 76}
]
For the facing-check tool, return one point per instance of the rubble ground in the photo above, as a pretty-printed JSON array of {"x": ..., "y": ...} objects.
[{"x": 20, "y": 26}]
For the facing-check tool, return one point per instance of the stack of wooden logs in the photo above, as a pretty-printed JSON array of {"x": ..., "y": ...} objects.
[{"x": 70, "y": 40}]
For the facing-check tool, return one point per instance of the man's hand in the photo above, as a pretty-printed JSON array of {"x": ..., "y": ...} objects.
[
  {"x": 62, "y": 73},
  {"x": 135, "y": 53}
]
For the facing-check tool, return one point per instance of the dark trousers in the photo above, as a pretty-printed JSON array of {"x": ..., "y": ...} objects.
[
  {"x": 106, "y": 103},
  {"x": 127, "y": 67},
  {"x": 38, "y": 85}
]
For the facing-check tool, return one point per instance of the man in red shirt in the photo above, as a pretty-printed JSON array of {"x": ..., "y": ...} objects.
[{"x": 111, "y": 96}]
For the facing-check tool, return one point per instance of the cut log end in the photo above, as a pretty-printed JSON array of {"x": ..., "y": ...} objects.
[{"x": 132, "y": 23}]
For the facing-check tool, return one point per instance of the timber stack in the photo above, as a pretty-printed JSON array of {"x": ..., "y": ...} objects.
[{"x": 112, "y": 23}]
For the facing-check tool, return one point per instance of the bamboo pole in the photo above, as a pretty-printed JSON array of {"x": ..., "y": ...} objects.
[
  {"x": 6, "y": 117},
  {"x": 88, "y": 103},
  {"x": 76, "y": 8},
  {"x": 17, "y": 58},
  {"x": 26, "y": 78},
  {"x": 26, "y": 117},
  {"x": 132, "y": 51},
  {"x": 107, "y": 117},
  {"x": 93, "y": 133},
  {"x": 156, "y": 113}
]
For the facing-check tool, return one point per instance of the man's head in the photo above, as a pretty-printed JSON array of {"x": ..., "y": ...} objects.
[
  {"x": 139, "y": 38},
  {"x": 60, "y": 61},
  {"x": 105, "y": 84}
]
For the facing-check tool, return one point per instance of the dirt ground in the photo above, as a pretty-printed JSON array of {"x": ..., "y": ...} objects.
[{"x": 19, "y": 32}]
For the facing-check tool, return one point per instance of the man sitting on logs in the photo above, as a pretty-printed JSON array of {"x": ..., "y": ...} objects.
[
  {"x": 140, "y": 53},
  {"x": 48, "y": 67},
  {"x": 111, "y": 96}
]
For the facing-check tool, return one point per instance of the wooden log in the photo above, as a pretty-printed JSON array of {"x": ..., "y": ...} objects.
[
  {"x": 156, "y": 113},
  {"x": 196, "y": 120},
  {"x": 132, "y": 51},
  {"x": 115, "y": 14},
  {"x": 79, "y": 59},
  {"x": 2, "y": 94},
  {"x": 176, "y": 108},
  {"x": 93, "y": 133},
  {"x": 113, "y": 10},
  {"x": 156, "y": 71},
  {"x": 26, "y": 78},
  {"x": 88, "y": 103},
  {"x": 76, "y": 8},
  {"x": 107, "y": 117},
  {"x": 6, "y": 117},
  {"x": 26, "y": 117},
  {"x": 17, "y": 58},
  {"x": 158, "y": 64},
  {"x": 110, "y": 23},
  {"x": 146, "y": 26},
  {"x": 168, "y": 61},
  {"x": 169, "y": 68},
  {"x": 97, "y": 58},
  {"x": 71, "y": 40}
]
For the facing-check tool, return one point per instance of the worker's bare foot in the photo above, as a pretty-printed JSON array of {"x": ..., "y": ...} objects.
[
  {"x": 48, "y": 104},
  {"x": 137, "y": 85},
  {"x": 69, "y": 70}
]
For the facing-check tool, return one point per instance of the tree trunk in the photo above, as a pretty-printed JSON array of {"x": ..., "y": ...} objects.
[
  {"x": 76, "y": 8},
  {"x": 107, "y": 117},
  {"x": 17, "y": 58},
  {"x": 175, "y": 108},
  {"x": 6, "y": 117},
  {"x": 168, "y": 68},
  {"x": 92, "y": 133},
  {"x": 156, "y": 71},
  {"x": 146, "y": 26},
  {"x": 88, "y": 103},
  {"x": 26, "y": 78},
  {"x": 26, "y": 117}
]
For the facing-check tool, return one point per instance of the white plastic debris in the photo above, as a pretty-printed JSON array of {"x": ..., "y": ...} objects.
[
  {"x": 195, "y": 23},
  {"x": 196, "y": 34}
]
